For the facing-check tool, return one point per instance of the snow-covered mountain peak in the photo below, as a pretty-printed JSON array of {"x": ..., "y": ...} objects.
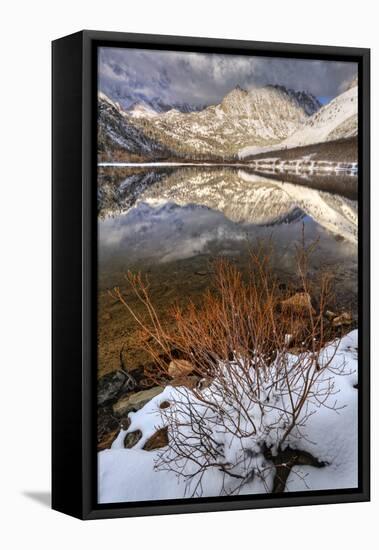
[
  {"x": 142, "y": 109},
  {"x": 335, "y": 120}
]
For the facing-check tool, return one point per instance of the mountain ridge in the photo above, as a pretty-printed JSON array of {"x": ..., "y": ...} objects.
[{"x": 245, "y": 122}]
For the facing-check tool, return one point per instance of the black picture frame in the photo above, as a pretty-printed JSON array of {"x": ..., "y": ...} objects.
[{"x": 74, "y": 89}]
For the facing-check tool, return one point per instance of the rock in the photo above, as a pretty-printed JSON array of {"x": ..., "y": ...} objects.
[
  {"x": 135, "y": 401},
  {"x": 343, "y": 319},
  {"x": 107, "y": 428},
  {"x": 138, "y": 375},
  {"x": 109, "y": 386},
  {"x": 132, "y": 439},
  {"x": 157, "y": 440},
  {"x": 330, "y": 314},
  {"x": 298, "y": 303},
  {"x": 107, "y": 440},
  {"x": 113, "y": 384},
  {"x": 179, "y": 367},
  {"x": 125, "y": 423},
  {"x": 165, "y": 405}
]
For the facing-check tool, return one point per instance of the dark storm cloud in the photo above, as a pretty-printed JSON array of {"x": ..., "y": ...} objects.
[{"x": 203, "y": 79}]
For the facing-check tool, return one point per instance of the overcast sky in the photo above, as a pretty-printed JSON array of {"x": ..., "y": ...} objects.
[{"x": 203, "y": 79}]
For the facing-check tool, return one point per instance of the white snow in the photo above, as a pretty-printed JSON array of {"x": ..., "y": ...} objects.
[
  {"x": 330, "y": 435},
  {"x": 337, "y": 119},
  {"x": 325, "y": 122}
]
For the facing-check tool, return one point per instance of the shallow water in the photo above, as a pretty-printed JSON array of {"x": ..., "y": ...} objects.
[{"x": 170, "y": 223}]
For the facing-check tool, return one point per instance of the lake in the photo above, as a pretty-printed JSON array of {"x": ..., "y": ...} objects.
[{"x": 170, "y": 222}]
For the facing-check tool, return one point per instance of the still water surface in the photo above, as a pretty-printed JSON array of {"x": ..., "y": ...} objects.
[{"x": 170, "y": 223}]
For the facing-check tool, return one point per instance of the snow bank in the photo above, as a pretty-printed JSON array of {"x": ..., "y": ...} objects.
[
  {"x": 333, "y": 436},
  {"x": 330, "y": 434}
]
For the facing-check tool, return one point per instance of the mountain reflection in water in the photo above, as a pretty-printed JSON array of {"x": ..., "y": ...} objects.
[{"x": 157, "y": 216}]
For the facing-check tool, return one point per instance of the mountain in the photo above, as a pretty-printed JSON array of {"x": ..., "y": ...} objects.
[
  {"x": 334, "y": 121},
  {"x": 247, "y": 198},
  {"x": 338, "y": 119},
  {"x": 337, "y": 214},
  {"x": 118, "y": 136},
  {"x": 141, "y": 109},
  {"x": 263, "y": 116},
  {"x": 306, "y": 100},
  {"x": 227, "y": 192},
  {"x": 242, "y": 197}
]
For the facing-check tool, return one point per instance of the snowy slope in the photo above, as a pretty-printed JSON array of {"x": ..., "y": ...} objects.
[{"x": 338, "y": 119}]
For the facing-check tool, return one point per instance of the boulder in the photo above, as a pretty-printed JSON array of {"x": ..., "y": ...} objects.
[
  {"x": 109, "y": 386},
  {"x": 179, "y": 367},
  {"x": 107, "y": 428},
  {"x": 132, "y": 439},
  {"x": 135, "y": 401},
  {"x": 298, "y": 303},
  {"x": 157, "y": 440},
  {"x": 330, "y": 314},
  {"x": 107, "y": 440},
  {"x": 125, "y": 423},
  {"x": 343, "y": 319}
]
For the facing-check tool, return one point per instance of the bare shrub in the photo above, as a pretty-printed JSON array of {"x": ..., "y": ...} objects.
[{"x": 254, "y": 395}]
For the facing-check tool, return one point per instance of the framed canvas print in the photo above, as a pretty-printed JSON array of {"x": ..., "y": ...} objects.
[{"x": 210, "y": 274}]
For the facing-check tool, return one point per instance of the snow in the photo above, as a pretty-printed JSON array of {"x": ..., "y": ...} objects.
[
  {"x": 326, "y": 121},
  {"x": 337, "y": 119},
  {"x": 335, "y": 436},
  {"x": 330, "y": 433}
]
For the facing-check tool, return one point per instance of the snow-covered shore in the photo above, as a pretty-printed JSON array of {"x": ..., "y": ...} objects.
[{"x": 330, "y": 434}]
